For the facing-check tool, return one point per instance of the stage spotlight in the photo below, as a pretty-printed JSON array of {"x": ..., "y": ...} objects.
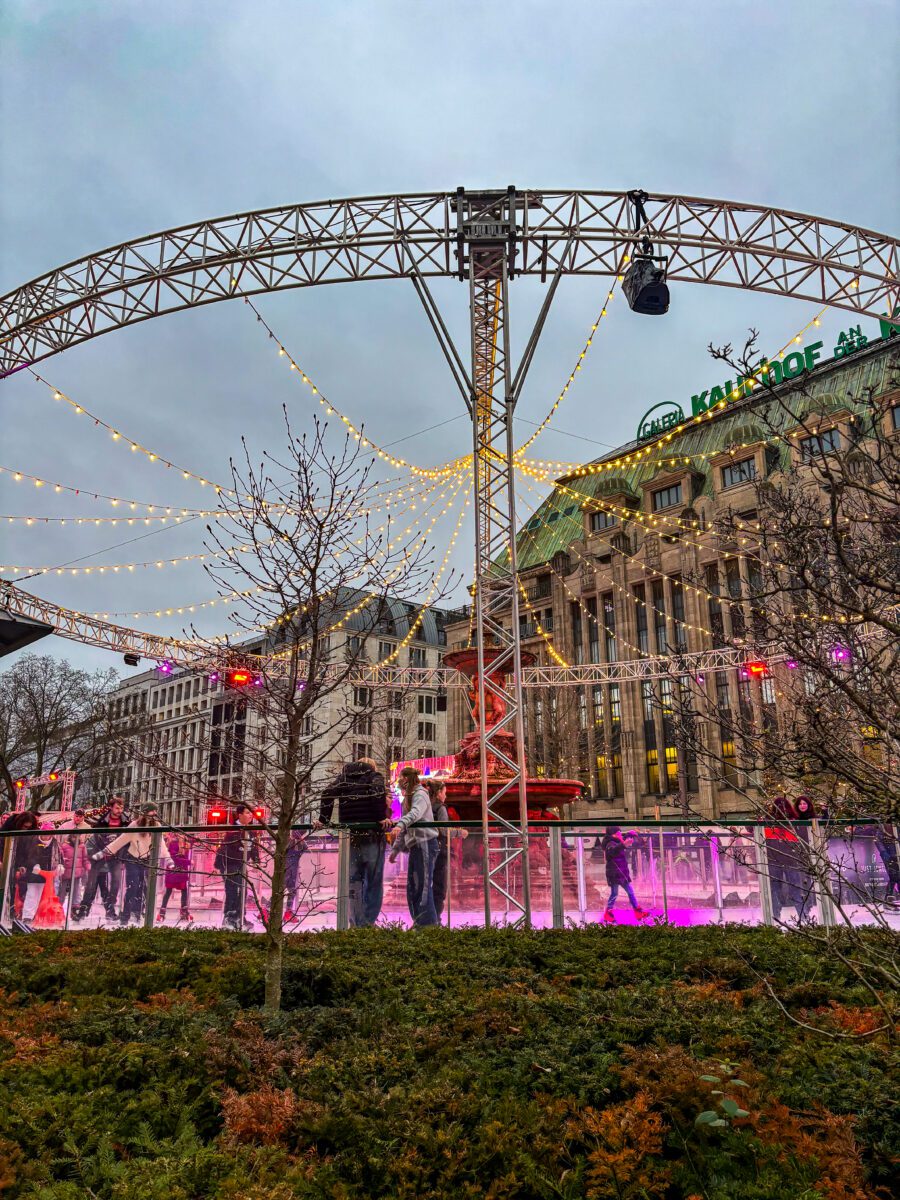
[
  {"x": 645, "y": 288},
  {"x": 644, "y": 283}
]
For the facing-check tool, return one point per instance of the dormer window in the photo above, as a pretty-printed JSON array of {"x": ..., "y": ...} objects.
[
  {"x": 603, "y": 520},
  {"x": 819, "y": 444},
  {"x": 734, "y": 473},
  {"x": 666, "y": 497}
]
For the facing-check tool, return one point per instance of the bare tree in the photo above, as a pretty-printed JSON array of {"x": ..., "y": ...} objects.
[
  {"x": 51, "y": 719},
  {"x": 814, "y": 711},
  {"x": 315, "y": 576}
]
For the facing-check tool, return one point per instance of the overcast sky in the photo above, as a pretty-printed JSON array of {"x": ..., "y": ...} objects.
[{"x": 122, "y": 118}]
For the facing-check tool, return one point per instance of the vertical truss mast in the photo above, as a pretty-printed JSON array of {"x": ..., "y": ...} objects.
[
  {"x": 486, "y": 227},
  {"x": 486, "y": 231}
]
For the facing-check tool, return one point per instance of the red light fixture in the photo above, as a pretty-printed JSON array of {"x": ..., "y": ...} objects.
[
  {"x": 238, "y": 677},
  {"x": 259, "y": 814},
  {"x": 216, "y": 815},
  {"x": 20, "y": 783},
  {"x": 53, "y": 777},
  {"x": 756, "y": 670}
]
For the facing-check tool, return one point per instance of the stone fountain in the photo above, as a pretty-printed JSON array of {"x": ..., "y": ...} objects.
[{"x": 464, "y": 786}]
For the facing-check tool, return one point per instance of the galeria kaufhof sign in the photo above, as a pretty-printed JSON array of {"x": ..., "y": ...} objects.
[{"x": 669, "y": 414}]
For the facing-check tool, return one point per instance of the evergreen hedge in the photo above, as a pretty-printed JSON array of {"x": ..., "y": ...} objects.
[{"x": 436, "y": 1063}]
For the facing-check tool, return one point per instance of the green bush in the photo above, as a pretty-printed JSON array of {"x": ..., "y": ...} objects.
[{"x": 442, "y": 1063}]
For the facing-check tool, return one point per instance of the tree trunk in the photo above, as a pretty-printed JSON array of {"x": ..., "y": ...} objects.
[
  {"x": 275, "y": 923},
  {"x": 274, "y": 955}
]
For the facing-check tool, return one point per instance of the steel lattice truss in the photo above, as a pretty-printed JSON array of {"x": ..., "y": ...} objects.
[
  {"x": 189, "y": 656},
  {"x": 497, "y": 595},
  {"x": 389, "y": 237}
]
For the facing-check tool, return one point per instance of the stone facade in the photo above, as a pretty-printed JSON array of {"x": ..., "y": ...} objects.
[
  {"x": 621, "y": 562},
  {"x": 184, "y": 740}
]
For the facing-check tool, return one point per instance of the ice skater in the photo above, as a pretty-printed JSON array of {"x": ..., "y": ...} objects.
[{"x": 615, "y": 846}]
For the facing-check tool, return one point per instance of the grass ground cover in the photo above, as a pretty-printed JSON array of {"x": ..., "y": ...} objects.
[{"x": 580, "y": 1063}]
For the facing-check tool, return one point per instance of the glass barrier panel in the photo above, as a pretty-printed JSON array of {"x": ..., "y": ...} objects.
[
  {"x": 863, "y": 874},
  {"x": 736, "y": 865}
]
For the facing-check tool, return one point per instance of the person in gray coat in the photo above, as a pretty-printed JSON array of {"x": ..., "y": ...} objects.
[{"x": 421, "y": 842}]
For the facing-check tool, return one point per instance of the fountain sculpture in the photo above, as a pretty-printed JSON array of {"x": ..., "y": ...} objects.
[{"x": 464, "y": 786}]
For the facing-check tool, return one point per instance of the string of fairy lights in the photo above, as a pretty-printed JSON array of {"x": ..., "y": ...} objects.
[
  {"x": 197, "y": 606},
  {"x": 402, "y": 495},
  {"x": 357, "y": 433}
]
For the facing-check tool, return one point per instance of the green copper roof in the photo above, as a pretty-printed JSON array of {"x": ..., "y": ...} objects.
[{"x": 558, "y": 520}]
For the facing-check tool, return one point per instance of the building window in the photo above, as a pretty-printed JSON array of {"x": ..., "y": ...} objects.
[
  {"x": 609, "y": 624},
  {"x": 582, "y": 710},
  {"x": 641, "y": 614},
  {"x": 723, "y": 694},
  {"x": 427, "y": 705},
  {"x": 362, "y": 697},
  {"x": 395, "y": 727},
  {"x": 671, "y": 769},
  {"x": 603, "y": 520},
  {"x": 575, "y": 611},
  {"x": 609, "y": 775},
  {"x": 659, "y": 616},
  {"x": 361, "y": 750},
  {"x": 738, "y": 472},
  {"x": 362, "y": 723},
  {"x": 819, "y": 444},
  {"x": 895, "y": 416},
  {"x": 396, "y": 699},
  {"x": 598, "y": 709},
  {"x": 653, "y": 770},
  {"x": 678, "y": 615},
  {"x": 385, "y": 650},
  {"x": 667, "y": 497},
  {"x": 729, "y": 761},
  {"x": 593, "y": 630},
  {"x": 417, "y": 656},
  {"x": 426, "y": 731},
  {"x": 615, "y": 705}
]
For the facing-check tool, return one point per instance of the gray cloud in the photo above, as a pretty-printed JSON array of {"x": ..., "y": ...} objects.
[{"x": 119, "y": 119}]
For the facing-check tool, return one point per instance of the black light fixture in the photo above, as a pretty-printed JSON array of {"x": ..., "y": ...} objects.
[
  {"x": 131, "y": 660},
  {"x": 17, "y": 631},
  {"x": 644, "y": 283}
]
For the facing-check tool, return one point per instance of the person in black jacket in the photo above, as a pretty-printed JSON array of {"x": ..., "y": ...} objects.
[
  {"x": 22, "y": 853},
  {"x": 616, "y": 846},
  {"x": 104, "y": 873},
  {"x": 361, "y": 798},
  {"x": 236, "y": 850}
]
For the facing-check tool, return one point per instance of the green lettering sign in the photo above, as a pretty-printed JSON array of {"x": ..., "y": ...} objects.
[{"x": 650, "y": 426}]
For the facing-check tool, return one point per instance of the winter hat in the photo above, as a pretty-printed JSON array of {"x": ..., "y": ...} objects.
[{"x": 147, "y": 809}]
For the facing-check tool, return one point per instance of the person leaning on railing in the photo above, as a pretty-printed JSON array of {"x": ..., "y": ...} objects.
[
  {"x": 421, "y": 840},
  {"x": 137, "y": 847},
  {"x": 437, "y": 789},
  {"x": 361, "y": 798}
]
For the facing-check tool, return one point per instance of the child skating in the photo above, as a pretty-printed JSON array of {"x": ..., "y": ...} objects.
[{"x": 615, "y": 846}]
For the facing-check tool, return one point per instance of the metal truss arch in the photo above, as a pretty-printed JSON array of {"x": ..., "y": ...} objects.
[
  {"x": 197, "y": 656},
  {"x": 720, "y": 242}
]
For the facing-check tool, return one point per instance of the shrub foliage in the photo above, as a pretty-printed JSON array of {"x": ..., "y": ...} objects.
[{"x": 629, "y": 1063}]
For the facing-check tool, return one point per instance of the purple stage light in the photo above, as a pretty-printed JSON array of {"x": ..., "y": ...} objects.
[
  {"x": 840, "y": 654},
  {"x": 164, "y": 668},
  {"x": 791, "y": 664}
]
